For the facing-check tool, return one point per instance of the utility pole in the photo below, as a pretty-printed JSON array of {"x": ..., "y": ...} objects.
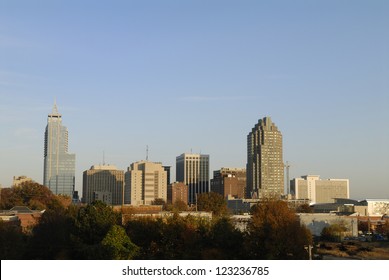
[{"x": 309, "y": 249}]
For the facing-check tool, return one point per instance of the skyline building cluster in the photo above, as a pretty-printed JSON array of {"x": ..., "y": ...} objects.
[{"x": 146, "y": 181}]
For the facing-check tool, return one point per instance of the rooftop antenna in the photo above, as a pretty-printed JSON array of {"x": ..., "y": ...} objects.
[
  {"x": 55, "y": 108},
  {"x": 147, "y": 152},
  {"x": 103, "y": 157}
]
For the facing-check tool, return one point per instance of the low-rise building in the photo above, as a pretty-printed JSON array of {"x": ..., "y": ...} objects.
[{"x": 319, "y": 191}]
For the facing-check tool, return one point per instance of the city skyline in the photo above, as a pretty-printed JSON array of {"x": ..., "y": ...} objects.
[{"x": 195, "y": 76}]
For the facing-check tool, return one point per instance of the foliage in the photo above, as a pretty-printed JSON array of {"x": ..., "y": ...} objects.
[
  {"x": 91, "y": 226},
  {"x": 185, "y": 238},
  {"x": 275, "y": 232},
  {"x": 179, "y": 205},
  {"x": 12, "y": 241},
  {"x": 304, "y": 208},
  {"x": 333, "y": 232},
  {"x": 117, "y": 245},
  {"x": 51, "y": 238},
  {"x": 30, "y": 194},
  {"x": 212, "y": 202}
]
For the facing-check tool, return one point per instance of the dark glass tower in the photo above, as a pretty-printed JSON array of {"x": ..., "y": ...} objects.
[
  {"x": 193, "y": 171},
  {"x": 59, "y": 165}
]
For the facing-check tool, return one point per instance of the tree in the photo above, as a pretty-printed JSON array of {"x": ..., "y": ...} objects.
[
  {"x": 333, "y": 232},
  {"x": 12, "y": 241},
  {"x": 52, "y": 237},
  {"x": 225, "y": 241},
  {"x": 117, "y": 245},
  {"x": 91, "y": 226},
  {"x": 30, "y": 194},
  {"x": 179, "y": 205},
  {"x": 274, "y": 232},
  {"x": 304, "y": 208},
  {"x": 212, "y": 202}
]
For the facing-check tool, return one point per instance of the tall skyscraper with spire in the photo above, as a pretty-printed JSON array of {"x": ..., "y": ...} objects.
[
  {"x": 59, "y": 165},
  {"x": 265, "y": 167}
]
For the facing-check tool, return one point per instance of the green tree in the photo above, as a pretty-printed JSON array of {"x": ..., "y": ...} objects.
[
  {"x": 333, "y": 232},
  {"x": 52, "y": 237},
  {"x": 225, "y": 241},
  {"x": 117, "y": 245},
  {"x": 274, "y": 232},
  {"x": 91, "y": 226},
  {"x": 147, "y": 234},
  {"x": 212, "y": 202},
  {"x": 12, "y": 241}
]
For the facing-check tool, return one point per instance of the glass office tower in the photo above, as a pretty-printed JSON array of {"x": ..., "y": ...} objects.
[
  {"x": 59, "y": 165},
  {"x": 193, "y": 171}
]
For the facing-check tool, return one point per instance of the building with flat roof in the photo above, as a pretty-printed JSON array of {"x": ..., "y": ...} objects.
[
  {"x": 145, "y": 181},
  {"x": 193, "y": 171},
  {"x": 229, "y": 182},
  {"x": 104, "y": 183},
  {"x": 265, "y": 166},
  {"x": 319, "y": 191}
]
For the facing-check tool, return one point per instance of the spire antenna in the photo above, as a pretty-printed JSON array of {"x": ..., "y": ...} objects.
[
  {"x": 55, "y": 108},
  {"x": 147, "y": 152}
]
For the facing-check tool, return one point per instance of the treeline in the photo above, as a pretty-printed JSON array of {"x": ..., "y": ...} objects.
[{"x": 96, "y": 232}]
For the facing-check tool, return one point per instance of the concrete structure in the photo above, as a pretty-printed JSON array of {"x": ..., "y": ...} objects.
[
  {"x": 17, "y": 181},
  {"x": 145, "y": 181},
  {"x": 265, "y": 167},
  {"x": 319, "y": 191},
  {"x": 317, "y": 222},
  {"x": 177, "y": 192},
  {"x": 229, "y": 182},
  {"x": 59, "y": 165},
  {"x": 193, "y": 171},
  {"x": 103, "y": 182}
]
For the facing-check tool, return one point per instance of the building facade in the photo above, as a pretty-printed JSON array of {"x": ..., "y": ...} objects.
[
  {"x": 193, "y": 171},
  {"x": 59, "y": 165},
  {"x": 145, "y": 182},
  {"x": 103, "y": 182},
  {"x": 311, "y": 187},
  {"x": 229, "y": 182},
  {"x": 265, "y": 167},
  {"x": 177, "y": 192}
]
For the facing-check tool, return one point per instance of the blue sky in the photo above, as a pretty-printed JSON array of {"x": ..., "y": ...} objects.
[{"x": 197, "y": 75}]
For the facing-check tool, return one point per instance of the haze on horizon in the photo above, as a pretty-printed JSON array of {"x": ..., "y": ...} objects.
[{"x": 194, "y": 75}]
